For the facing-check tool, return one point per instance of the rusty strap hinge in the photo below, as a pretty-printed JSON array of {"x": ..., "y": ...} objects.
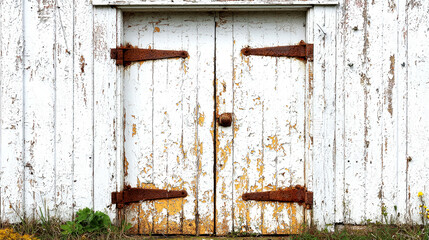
[
  {"x": 131, "y": 195},
  {"x": 302, "y": 50},
  {"x": 294, "y": 194},
  {"x": 126, "y": 55}
]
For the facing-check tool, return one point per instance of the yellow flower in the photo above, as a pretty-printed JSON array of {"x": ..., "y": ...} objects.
[
  {"x": 424, "y": 206},
  {"x": 420, "y": 194}
]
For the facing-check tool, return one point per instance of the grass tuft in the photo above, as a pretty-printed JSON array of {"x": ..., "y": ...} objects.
[{"x": 370, "y": 231}]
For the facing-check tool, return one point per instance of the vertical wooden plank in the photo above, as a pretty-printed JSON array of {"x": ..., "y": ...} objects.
[
  {"x": 39, "y": 107},
  {"x": 296, "y": 108},
  {"x": 104, "y": 109},
  {"x": 356, "y": 101},
  {"x": 64, "y": 109},
  {"x": 224, "y": 136},
  {"x": 418, "y": 109},
  {"x": 170, "y": 116},
  {"x": 308, "y": 126},
  {"x": 197, "y": 110},
  {"x": 342, "y": 18},
  {"x": 190, "y": 144},
  {"x": 119, "y": 113},
  {"x": 248, "y": 98},
  {"x": 324, "y": 116},
  {"x": 138, "y": 130},
  {"x": 401, "y": 125},
  {"x": 266, "y": 70},
  {"x": 11, "y": 112},
  {"x": 391, "y": 187},
  {"x": 83, "y": 189},
  {"x": 371, "y": 75},
  {"x": 205, "y": 85},
  {"x": 1, "y": 77}
]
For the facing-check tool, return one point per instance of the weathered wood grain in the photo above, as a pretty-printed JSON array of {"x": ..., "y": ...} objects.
[
  {"x": 308, "y": 125},
  {"x": 83, "y": 126},
  {"x": 418, "y": 110},
  {"x": 120, "y": 154},
  {"x": 369, "y": 137},
  {"x": 138, "y": 144},
  {"x": 64, "y": 109},
  {"x": 12, "y": 112},
  {"x": 371, "y": 73},
  {"x": 401, "y": 125},
  {"x": 205, "y": 128},
  {"x": 268, "y": 132},
  {"x": 356, "y": 128},
  {"x": 167, "y": 92},
  {"x": 207, "y": 2},
  {"x": 39, "y": 107},
  {"x": 340, "y": 95},
  {"x": 324, "y": 86},
  {"x": 393, "y": 190},
  {"x": 223, "y": 136},
  {"x": 105, "y": 116}
]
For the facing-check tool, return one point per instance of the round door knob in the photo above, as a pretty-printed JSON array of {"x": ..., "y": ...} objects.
[{"x": 225, "y": 119}]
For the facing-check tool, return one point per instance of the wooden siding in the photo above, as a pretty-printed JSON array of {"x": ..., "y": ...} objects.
[{"x": 59, "y": 139}]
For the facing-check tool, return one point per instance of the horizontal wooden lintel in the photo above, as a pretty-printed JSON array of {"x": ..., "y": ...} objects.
[{"x": 132, "y": 5}]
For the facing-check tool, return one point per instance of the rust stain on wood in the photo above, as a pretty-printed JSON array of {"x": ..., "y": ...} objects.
[
  {"x": 82, "y": 64},
  {"x": 389, "y": 90}
]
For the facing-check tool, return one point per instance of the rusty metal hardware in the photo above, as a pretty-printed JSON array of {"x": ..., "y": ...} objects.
[
  {"x": 131, "y": 195},
  {"x": 294, "y": 194},
  {"x": 225, "y": 119},
  {"x": 126, "y": 55},
  {"x": 302, "y": 50}
]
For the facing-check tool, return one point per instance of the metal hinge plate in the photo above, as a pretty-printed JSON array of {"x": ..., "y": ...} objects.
[
  {"x": 296, "y": 194},
  {"x": 131, "y": 195},
  {"x": 126, "y": 55},
  {"x": 302, "y": 50}
]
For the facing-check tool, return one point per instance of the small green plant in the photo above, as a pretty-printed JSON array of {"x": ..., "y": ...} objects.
[
  {"x": 87, "y": 221},
  {"x": 424, "y": 211}
]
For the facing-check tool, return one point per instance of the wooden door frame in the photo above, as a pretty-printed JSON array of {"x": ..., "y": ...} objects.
[{"x": 321, "y": 25}]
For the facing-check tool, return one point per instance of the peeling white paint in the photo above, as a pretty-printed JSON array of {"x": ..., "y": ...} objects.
[{"x": 364, "y": 138}]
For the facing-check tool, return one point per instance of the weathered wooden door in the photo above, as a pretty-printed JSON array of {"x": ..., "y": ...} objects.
[{"x": 171, "y": 136}]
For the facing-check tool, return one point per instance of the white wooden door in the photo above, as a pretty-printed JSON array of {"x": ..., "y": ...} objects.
[
  {"x": 264, "y": 149},
  {"x": 172, "y": 140},
  {"x": 168, "y": 107}
]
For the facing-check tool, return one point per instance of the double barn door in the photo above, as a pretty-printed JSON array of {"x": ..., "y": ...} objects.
[{"x": 172, "y": 138}]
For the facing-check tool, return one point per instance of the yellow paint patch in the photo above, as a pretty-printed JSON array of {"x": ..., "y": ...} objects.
[
  {"x": 185, "y": 65},
  {"x": 246, "y": 60},
  {"x": 274, "y": 145},
  {"x": 174, "y": 216},
  {"x": 189, "y": 227},
  {"x": 201, "y": 119},
  {"x": 160, "y": 217},
  {"x": 134, "y": 130},
  {"x": 125, "y": 165},
  {"x": 145, "y": 218},
  {"x": 225, "y": 152}
]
